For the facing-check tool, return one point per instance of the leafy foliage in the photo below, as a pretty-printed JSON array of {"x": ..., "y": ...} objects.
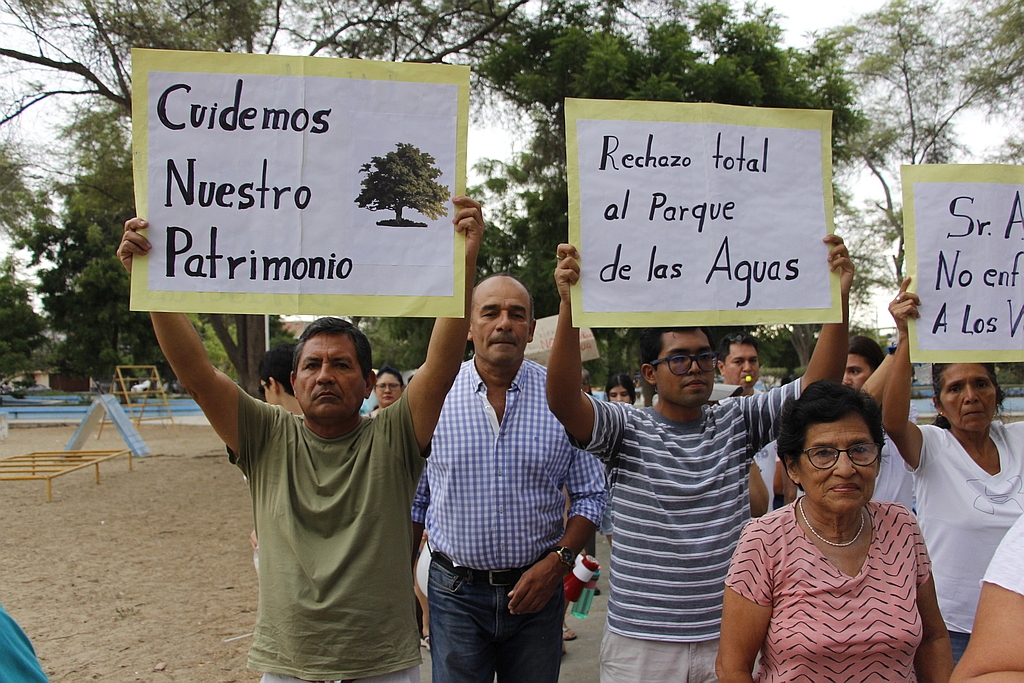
[
  {"x": 572, "y": 50},
  {"x": 403, "y": 179},
  {"x": 20, "y": 327},
  {"x": 81, "y": 282}
]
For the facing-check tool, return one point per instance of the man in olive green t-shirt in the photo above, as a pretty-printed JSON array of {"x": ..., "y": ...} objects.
[{"x": 331, "y": 491}]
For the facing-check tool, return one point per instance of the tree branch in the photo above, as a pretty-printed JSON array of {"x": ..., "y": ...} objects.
[{"x": 69, "y": 67}]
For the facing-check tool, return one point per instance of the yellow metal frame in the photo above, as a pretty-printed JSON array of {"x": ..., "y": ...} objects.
[
  {"x": 45, "y": 465},
  {"x": 127, "y": 375}
]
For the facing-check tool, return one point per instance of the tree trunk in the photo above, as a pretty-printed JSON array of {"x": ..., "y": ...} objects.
[
  {"x": 803, "y": 341},
  {"x": 398, "y": 213},
  {"x": 245, "y": 355}
]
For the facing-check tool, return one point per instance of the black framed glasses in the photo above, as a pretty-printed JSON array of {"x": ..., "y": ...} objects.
[
  {"x": 680, "y": 364},
  {"x": 824, "y": 457}
]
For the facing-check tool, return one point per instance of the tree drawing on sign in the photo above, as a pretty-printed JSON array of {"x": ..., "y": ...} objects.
[{"x": 403, "y": 179}]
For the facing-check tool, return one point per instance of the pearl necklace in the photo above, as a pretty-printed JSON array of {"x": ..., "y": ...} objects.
[{"x": 800, "y": 508}]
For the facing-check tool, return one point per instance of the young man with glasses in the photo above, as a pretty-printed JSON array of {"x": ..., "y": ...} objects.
[{"x": 679, "y": 482}]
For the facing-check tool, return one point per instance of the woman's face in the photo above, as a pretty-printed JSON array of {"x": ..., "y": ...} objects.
[
  {"x": 618, "y": 395},
  {"x": 968, "y": 397},
  {"x": 387, "y": 389},
  {"x": 844, "y": 487}
]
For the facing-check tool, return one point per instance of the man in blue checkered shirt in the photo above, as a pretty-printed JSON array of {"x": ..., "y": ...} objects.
[{"x": 491, "y": 498}]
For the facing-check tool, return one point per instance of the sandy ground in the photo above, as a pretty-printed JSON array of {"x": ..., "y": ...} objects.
[{"x": 151, "y": 569}]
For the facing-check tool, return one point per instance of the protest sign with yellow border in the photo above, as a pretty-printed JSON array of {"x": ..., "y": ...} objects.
[
  {"x": 964, "y": 240},
  {"x": 688, "y": 214},
  {"x": 260, "y": 176}
]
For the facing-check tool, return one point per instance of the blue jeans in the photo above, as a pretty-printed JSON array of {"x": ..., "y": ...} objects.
[
  {"x": 959, "y": 642},
  {"x": 473, "y": 635}
]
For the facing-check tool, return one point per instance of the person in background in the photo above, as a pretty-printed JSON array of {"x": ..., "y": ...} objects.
[
  {"x": 739, "y": 364},
  {"x": 967, "y": 467},
  {"x": 388, "y": 389},
  {"x": 835, "y": 587},
  {"x": 275, "y": 370},
  {"x": 585, "y": 382},
  {"x": 995, "y": 655},
  {"x": 867, "y": 369},
  {"x": 738, "y": 361},
  {"x": 619, "y": 389}
]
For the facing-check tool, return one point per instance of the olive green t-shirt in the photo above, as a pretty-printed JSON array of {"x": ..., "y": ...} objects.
[{"x": 333, "y": 521}]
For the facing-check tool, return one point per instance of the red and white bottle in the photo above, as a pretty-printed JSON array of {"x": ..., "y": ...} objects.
[{"x": 576, "y": 579}]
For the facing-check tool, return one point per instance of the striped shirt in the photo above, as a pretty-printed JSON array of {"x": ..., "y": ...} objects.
[
  {"x": 679, "y": 500},
  {"x": 491, "y": 495}
]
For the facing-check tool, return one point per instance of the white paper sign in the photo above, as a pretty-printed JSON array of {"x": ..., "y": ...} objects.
[
  {"x": 965, "y": 248},
  {"x": 704, "y": 220},
  {"x": 296, "y": 185}
]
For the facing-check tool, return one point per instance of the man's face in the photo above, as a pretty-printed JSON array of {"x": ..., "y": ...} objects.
[
  {"x": 692, "y": 389},
  {"x": 739, "y": 365},
  {"x": 857, "y": 371},
  {"x": 500, "y": 327},
  {"x": 328, "y": 383}
]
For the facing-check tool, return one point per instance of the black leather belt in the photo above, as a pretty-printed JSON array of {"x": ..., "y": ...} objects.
[{"x": 494, "y": 577}]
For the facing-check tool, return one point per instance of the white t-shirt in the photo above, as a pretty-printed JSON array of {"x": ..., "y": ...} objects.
[
  {"x": 894, "y": 483},
  {"x": 964, "y": 512},
  {"x": 766, "y": 460},
  {"x": 1007, "y": 566}
]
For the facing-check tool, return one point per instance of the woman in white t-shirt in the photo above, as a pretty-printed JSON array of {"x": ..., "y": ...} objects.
[
  {"x": 968, "y": 471},
  {"x": 995, "y": 653}
]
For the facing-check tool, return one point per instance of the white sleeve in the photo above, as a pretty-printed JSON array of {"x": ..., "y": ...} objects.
[{"x": 1007, "y": 566}]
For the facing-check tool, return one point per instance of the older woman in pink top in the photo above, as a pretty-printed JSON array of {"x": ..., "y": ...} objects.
[{"x": 835, "y": 587}]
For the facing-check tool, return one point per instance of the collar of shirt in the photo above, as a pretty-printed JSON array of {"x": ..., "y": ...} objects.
[{"x": 481, "y": 392}]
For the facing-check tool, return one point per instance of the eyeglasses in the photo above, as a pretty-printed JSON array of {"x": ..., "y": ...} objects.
[
  {"x": 824, "y": 457},
  {"x": 680, "y": 364},
  {"x": 393, "y": 386}
]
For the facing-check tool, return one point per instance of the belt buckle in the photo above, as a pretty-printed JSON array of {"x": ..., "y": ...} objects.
[{"x": 492, "y": 575}]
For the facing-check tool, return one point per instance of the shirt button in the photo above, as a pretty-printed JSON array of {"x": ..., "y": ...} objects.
[
  {"x": 501, "y": 510},
  {"x": 499, "y": 473},
  {"x": 502, "y": 546}
]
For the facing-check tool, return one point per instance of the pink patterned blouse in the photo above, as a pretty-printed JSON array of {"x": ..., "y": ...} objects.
[{"x": 826, "y": 626}]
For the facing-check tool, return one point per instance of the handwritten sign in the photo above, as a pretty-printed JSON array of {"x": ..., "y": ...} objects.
[
  {"x": 691, "y": 214},
  {"x": 539, "y": 350},
  {"x": 964, "y": 229},
  {"x": 277, "y": 184}
]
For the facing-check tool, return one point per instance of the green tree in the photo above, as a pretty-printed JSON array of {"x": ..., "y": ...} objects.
[
  {"x": 712, "y": 53},
  {"x": 81, "y": 282},
  {"x": 918, "y": 67},
  {"x": 83, "y": 50},
  {"x": 403, "y": 179},
  {"x": 20, "y": 326}
]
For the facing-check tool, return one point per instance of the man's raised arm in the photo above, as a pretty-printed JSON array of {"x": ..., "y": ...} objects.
[
  {"x": 214, "y": 391},
  {"x": 430, "y": 385},
  {"x": 565, "y": 400},
  {"x": 829, "y": 358}
]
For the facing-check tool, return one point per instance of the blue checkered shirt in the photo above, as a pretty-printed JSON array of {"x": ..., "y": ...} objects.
[{"x": 491, "y": 495}]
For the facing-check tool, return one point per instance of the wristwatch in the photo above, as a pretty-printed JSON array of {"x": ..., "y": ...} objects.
[{"x": 565, "y": 555}]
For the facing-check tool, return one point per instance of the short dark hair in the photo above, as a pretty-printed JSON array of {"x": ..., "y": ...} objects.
[
  {"x": 938, "y": 381},
  {"x": 277, "y": 363},
  {"x": 513, "y": 277},
  {"x": 621, "y": 380},
  {"x": 388, "y": 370},
  {"x": 332, "y": 326},
  {"x": 824, "y": 402},
  {"x": 652, "y": 343},
  {"x": 868, "y": 349},
  {"x": 725, "y": 346}
]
